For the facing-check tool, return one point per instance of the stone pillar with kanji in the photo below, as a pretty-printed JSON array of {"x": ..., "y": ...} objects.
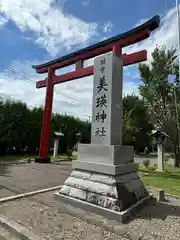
[{"x": 105, "y": 173}]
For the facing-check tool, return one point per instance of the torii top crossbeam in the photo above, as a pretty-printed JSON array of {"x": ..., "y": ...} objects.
[{"x": 112, "y": 44}]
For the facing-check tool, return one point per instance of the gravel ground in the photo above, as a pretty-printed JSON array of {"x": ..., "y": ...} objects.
[
  {"x": 54, "y": 220},
  {"x": 5, "y": 235}
]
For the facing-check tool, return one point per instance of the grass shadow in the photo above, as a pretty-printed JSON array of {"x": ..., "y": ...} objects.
[{"x": 159, "y": 210}]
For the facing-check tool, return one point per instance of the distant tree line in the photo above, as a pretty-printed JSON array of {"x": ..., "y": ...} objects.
[{"x": 20, "y": 127}]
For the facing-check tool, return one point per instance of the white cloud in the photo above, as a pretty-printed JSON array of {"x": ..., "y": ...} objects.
[
  {"x": 166, "y": 35},
  {"x": 107, "y": 27},
  {"x": 3, "y": 21},
  {"x": 131, "y": 71},
  {"x": 129, "y": 87},
  {"x": 141, "y": 21},
  {"x": 85, "y": 3},
  {"x": 18, "y": 82},
  {"x": 52, "y": 28}
]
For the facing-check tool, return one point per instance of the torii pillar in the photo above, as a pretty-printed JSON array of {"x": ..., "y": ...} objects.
[{"x": 114, "y": 44}]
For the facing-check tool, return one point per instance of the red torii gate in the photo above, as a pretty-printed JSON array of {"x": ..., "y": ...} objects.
[{"x": 112, "y": 44}]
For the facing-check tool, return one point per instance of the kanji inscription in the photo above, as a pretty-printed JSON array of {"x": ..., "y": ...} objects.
[
  {"x": 101, "y": 101},
  {"x": 107, "y": 91}
]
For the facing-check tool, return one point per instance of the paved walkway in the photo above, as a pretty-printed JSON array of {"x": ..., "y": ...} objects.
[{"x": 21, "y": 178}]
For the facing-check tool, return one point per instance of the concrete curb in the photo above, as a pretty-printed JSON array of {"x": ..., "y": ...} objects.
[
  {"x": 18, "y": 230},
  {"x": 23, "y": 195},
  {"x": 169, "y": 196}
]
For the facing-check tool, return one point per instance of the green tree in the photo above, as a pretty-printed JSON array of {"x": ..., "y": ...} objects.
[
  {"x": 34, "y": 123},
  {"x": 13, "y": 125},
  {"x": 158, "y": 93},
  {"x": 136, "y": 124}
]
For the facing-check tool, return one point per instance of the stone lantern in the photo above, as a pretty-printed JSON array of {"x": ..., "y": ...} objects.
[
  {"x": 160, "y": 137},
  {"x": 78, "y": 136},
  {"x": 56, "y": 136}
]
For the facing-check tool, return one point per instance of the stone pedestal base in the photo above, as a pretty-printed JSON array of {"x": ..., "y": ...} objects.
[
  {"x": 112, "y": 186},
  {"x": 113, "y": 192}
]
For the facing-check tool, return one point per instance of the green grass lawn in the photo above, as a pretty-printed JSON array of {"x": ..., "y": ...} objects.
[{"x": 169, "y": 180}]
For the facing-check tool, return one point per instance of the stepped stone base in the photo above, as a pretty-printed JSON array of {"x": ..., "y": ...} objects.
[
  {"x": 112, "y": 187},
  {"x": 113, "y": 192}
]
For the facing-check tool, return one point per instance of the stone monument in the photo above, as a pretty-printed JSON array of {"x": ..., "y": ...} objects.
[{"x": 104, "y": 178}]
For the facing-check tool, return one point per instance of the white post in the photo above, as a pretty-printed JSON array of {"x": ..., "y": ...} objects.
[
  {"x": 160, "y": 157},
  {"x": 56, "y": 144}
]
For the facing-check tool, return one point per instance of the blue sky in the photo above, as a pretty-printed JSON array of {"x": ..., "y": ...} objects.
[{"x": 35, "y": 31}]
